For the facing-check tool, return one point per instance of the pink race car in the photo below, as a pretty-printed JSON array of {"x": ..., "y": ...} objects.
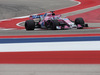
[{"x": 53, "y": 22}]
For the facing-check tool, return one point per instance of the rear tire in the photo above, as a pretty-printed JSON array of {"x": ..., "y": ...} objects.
[{"x": 30, "y": 25}]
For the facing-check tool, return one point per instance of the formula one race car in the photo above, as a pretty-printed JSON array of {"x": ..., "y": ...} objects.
[{"x": 53, "y": 22}]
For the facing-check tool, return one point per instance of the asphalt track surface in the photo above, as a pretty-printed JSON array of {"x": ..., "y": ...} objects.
[
  {"x": 46, "y": 32},
  {"x": 15, "y": 8}
]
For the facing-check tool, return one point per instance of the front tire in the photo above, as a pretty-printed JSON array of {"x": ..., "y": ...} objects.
[
  {"x": 79, "y": 21},
  {"x": 30, "y": 25},
  {"x": 53, "y": 24}
]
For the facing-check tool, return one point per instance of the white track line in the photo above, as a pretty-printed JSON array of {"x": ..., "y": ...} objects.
[
  {"x": 18, "y": 24},
  {"x": 39, "y": 13},
  {"x": 51, "y": 46}
]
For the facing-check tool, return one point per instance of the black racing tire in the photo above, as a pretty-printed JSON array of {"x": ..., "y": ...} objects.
[
  {"x": 47, "y": 24},
  {"x": 30, "y": 25},
  {"x": 80, "y": 21},
  {"x": 53, "y": 24}
]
